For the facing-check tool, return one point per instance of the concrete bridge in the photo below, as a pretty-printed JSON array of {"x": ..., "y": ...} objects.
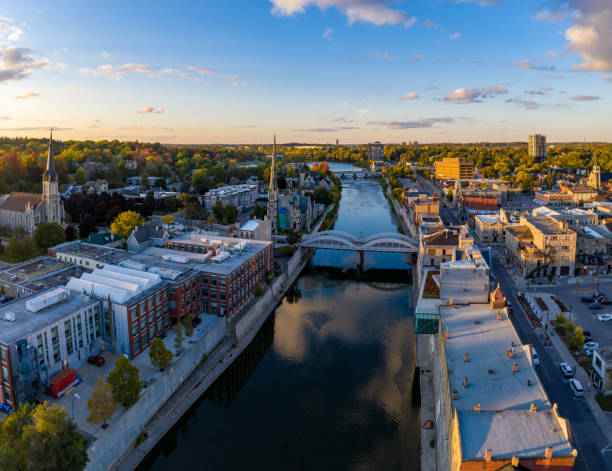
[{"x": 383, "y": 242}]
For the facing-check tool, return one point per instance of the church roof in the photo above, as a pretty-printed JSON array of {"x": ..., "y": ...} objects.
[{"x": 18, "y": 201}]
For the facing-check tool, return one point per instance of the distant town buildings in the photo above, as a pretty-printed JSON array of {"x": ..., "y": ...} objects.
[
  {"x": 537, "y": 146},
  {"x": 376, "y": 151},
  {"x": 450, "y": 168},
  {"x": 422, "y": 205},
  {"x": 241, "y": 196}
]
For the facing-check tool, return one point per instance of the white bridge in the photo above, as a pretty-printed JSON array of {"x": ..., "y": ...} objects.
[{"x": 383, "y": 242}]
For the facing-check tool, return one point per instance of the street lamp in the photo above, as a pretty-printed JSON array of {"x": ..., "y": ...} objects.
[{"x": 75, "y": 396}]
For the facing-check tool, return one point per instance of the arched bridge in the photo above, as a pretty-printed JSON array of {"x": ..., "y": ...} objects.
[{"x": 383, "y": 242}]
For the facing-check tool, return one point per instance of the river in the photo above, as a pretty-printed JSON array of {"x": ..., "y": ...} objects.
[{"x": 327, "y": 384}]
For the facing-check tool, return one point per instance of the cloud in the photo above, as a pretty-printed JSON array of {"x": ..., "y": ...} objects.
[
  {"x": 348, "y": 128},
  {"x": 4, "y": 118},
  {"x": 26, "y": 95},
  {"x": 39, "y": 128},
  {"x": 433, "y": 87},
  {"x": 409, "y": 96},
  {"x": 419, "y": 123},
  {"x": 383, "y": 55},
  {"x": 17, "y": 63},
  {"x": 363, "y": 111},
  {"x": 482, "y": 3},
  {"x": 95, "y": 124},
  {"x": 316, "y": 130},
  {"x": 417, "y": 58},
  {"x": 150, "y": 109},
  {"x": 376, "y": 12},
  {"x": 201, "y": 70},
  {"x": 607, "y": 79},
  {"x": 116, "y": 72},
  {"x": 527, "y": 104},
  {"x": 105, "y": 54},
  {"x": 585, "y": 98},
  {"x": 327, "y": 34},
  {"x": 430, "y": 24},
  {"x": 556, "y": 15},
  {"x": 342, "y": 119},
  {"x": 61, "y": 65},
  {"x": 541, "y": 91},
  {"x": 525, "y": 64},
  {"x": 7, "y": 28},
  {"x": 172, "y": 71},
  {"x": 238, "y": 83},
  {"x": 591, "y": 35},
  {"x": 455, "y": 36},
  {"x": 474, "y": 95}
]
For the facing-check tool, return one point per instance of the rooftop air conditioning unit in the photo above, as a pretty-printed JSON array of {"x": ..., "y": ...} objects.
[{"x": 9, "y": 316}]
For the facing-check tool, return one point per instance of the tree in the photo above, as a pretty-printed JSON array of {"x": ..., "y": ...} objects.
[
  {"x": 49, "y": 234},
  {"x": 20, "y": 250},
  {"x": 293, "y": 237},
  {"x": 450, "y": 195},
  {"x": 212, "y": 220},
  {"x": 260, "y": 211},
  {"x": 230, "y": 213},
  {"x": 87, "y": 225},
  {"x": 179, "y": 337},
  {"x": 80, "y": 177},
  {"x": 124, "y": 224},
  {"x": 167, "y": 220},
  {"x": 70, "y": 233},
  {"x": 188, "y": 325},
  {"x": 322, "y": 196},
  {"x": 41, "y": 438},
  {"x": 159, "y": 354},
  {"x": 101, "y": 405},
  {"x": 397, "y": 194},
  {"x": 199, "y": 181},
  {"x": 577, "y": 339},
  {"x": 125, "y": 382},
  {"x": 217, "y": 210}
]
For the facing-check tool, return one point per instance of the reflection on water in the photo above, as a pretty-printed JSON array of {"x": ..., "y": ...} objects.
[{"x": 328, "y": 382}]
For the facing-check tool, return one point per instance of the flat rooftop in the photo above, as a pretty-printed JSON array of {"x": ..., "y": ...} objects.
[
  {"x": 36, "y": 267},
  {"x": 489, "y": 218},
  {"x": 98, "y": 253},
  {"x": 27, "y": 322},
  {"x": 511, "y": 433},
  {"x": 546, "y": 225},
  {"x": 475, "y": 330}
]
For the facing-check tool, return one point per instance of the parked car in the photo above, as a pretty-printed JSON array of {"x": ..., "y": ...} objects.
[
  {"x": 97, "y": 360},
  {"x": 595, "y": 307},
  {"x": 604, "y": 317},
  {"x": 149, "y": 382},
  {"x": 588, "y": 339},
  {"x": 590, "y": 346},
  {"x": 587, "y": 333},
  {"x": 567, "y": 370},
  {"x": 604, "y": 300},
  {"x": 508, "y": 303},
  {"x": 534, "y": 354},
  {"x": 576, "y": 387},
  {"x": 586, "y": 299}
]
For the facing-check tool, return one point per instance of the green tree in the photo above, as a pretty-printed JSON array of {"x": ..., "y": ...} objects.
[
  {"x": 101, "y": 405},
  {"x": 49, "y": 234},
  {"x": 450, "y": 195},
  {"x": 20, "y": 250},
  {"x": 159, "y": 354},
  {"x": 230, "y": 214},
  {"x": 293, "y": 237},
  {"x": 70, "y": 233},
  {"x": 167, "y": 220},
  {"x": 259, "y": 291},
  {"x": 217, "y": 210},
  {"x": 260, "y": 211},
  {"x": 87, "y": 225},
  {"x": 321, "y": 195},
  {"x": 124, "y": 223},
  {"x": 179, "y": 337},
  {"x": 125, "y": 382},
  {"x": 80, "y": 176},
  {"x": 199, "y": 181},
  {"x": 188, "y": 325},
  {"x": 212, "y": 220},
  {"x": 40, "y": 438},
  {"x": 397, "y": 194},
  {"x": 577, "y": 339}
]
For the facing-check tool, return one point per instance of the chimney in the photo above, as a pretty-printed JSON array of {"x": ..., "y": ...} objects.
[
  {"x": 446, "y": 334},
  {"x": 548, "y": 453},
  {"x": 533, "y": 407},
  {"x": 488, "y": 455},
  {"x": 466, "y": 357},
  {"x": 514, "y": 367},
  {"x": 477, "y": 408}
]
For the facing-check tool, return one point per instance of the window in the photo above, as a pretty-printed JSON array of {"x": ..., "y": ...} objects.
[
  {"x": 143, "y": 324},
  {"x": 97, "y": 320},
  {"x": 5, "y": 374},
  {"x": 134, "y": 312},
  {"x": 159, "y": 313},
  {"x": 143, "y": 307},
  {"x": 136, "y": 345},
  {"x": 145, "y": 339},
  {"x": 173, "y": 304},
  {"x": 55, "y": 344},
  {"x": 3, "y": 354},
  {"x": 41, "y": 353},
  {"x": 157, "y": 298},
  {"x": 68, "y": 337},
  {"x": 134, "y": 329},
  {"x": 79, "y": 331}
]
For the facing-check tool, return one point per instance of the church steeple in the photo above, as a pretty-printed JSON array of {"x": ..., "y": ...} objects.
[
  {"x": 273, "y": 168},
  {"x": 50, "y": 174},
  {"x": 273, "y": 192}
]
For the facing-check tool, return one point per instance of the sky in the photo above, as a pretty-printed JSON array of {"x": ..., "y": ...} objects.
[{"x": 238, "y": 71}]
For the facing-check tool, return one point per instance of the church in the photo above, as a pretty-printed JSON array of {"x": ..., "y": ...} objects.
[{"x": 26, "y": 210}]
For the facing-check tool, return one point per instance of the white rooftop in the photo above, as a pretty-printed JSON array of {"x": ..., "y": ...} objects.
[
  {"x": 489, "y": 218},
  {"x": 250, "y": 225}
]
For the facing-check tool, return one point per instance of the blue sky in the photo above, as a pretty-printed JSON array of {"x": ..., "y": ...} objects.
[{"x": 309, "y": 70}]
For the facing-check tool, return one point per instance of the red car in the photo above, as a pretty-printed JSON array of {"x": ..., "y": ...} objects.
[{"x": 97, "y": 360}]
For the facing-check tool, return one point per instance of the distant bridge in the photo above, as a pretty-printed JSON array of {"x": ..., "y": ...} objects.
[{"x": 383, "y": 242}]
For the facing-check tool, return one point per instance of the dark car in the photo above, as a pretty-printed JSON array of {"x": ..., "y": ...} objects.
[
  {"x": 97, "y": 360},
  {"x": 587, "y": 333},
  {"x": 4, "y": 299},
  {"x": 604, "y": 300},
  {"x": 587, "y": 299},
  {"x": 595, "y": 307}
]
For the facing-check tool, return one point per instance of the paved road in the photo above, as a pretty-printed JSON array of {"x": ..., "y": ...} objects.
[{"x": 587, "y": 437}]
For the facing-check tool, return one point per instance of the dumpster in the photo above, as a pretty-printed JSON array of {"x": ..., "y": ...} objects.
[{"x": 61, "y": 381}]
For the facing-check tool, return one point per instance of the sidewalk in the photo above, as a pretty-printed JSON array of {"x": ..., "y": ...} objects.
[{"x": 581, "y": 375}]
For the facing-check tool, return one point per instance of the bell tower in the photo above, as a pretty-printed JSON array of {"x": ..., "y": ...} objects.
[{"x": 53, "y": 207}]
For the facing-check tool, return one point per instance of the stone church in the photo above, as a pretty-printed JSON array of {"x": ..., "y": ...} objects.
[{"x": 26, "y": 210}]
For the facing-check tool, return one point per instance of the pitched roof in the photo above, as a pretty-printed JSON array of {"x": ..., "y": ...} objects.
[
  {"x": 144, "y": 233},
  {"x": 17, "y": 201}
]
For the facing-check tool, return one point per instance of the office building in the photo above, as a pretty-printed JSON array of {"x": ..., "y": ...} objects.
[
  {"x": 454, "y": 169},
  {"x": 376, "y": 151},
  {"x": 537, "y": 146}
]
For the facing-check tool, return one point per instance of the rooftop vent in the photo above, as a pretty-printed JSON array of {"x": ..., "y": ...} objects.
[{"x": 8, "y": 316}]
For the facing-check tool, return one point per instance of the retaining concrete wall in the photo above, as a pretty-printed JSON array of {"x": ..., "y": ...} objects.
[
  {"x": 110, "y": 446},
  {"x": 443, "y": 404}
]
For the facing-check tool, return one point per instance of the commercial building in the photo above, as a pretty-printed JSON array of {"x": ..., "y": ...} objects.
[
  {"x": 256, "y": 229},
  {"x": 241, "y": 196},
  {"x": 87, "y": 255},
  {"x": 602, "y": 370},
  {"x": 489, "y": 228},
  {"x": 554, "y": 199},
  {"x": 422, "y": 205},
  {"x": 442, "y": 245},
  {"x": 537, "y": 146},
  {"x": 454, "y": 169},
  {"x": 465, "y": 280},
  {"x": 40, "y": 336},
  {"x": 541, "y": 246}
]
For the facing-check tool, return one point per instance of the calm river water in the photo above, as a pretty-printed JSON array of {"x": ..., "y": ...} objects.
[{"x": 327, "y": 384}]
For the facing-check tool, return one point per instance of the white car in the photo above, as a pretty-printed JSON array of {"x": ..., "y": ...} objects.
[
  {"x": 576, "y": 388},
  {"x": 534, "y": 355},
  {"x": 604, "y": 317},
  {"x": 567, "y": 370},
  {"x": 590, "y": 346}
]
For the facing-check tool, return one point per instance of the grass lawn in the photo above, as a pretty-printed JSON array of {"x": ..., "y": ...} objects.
[{"x": 605, "y": 402}]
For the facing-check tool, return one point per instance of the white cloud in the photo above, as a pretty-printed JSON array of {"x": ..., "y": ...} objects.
[
  {"x": 585, "y": 98},
  {"x": 607, "y": 79},
  {"x": 455, "y": 36},
  {"x": 363, "y": 111},
  {"x": 591, "y": 35},
  {"x": 61, "y": 65},
  {"x": 474, "y": 95},
  {"x": 4, "y": 118},
  {"x": 116, "y": 72},
  {"x": 409, "y": 96},
  {"x": 9, "y": 30},
  {"x": 17, "y": 63},
  {"x": 201, "y": 70},
  {"x": 552, "y": 16},
  {"x": 172, "y": 71},
  {"x": 238, "y": 83},
  {"x": 327, "y": 34},
  {"x": 430, "y": 24},
  {"x": 383, "y": 55},
  {"x": 527, "y": 104},
  {"x": 150, "y": 109},
  {"x": 415, "y": 124},
  {"x": 105, "y": 54},
  {"x": 377, "y": 12},
  {"x": 525, "y": 64},
  {"x": 26, "y": 95}
]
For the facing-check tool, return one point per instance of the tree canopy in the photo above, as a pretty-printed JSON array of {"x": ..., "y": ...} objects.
[
  {"x": 125, "y": 382},
  {"x": 124, "y": 223},
  {"x": 49, "y": 234}
]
